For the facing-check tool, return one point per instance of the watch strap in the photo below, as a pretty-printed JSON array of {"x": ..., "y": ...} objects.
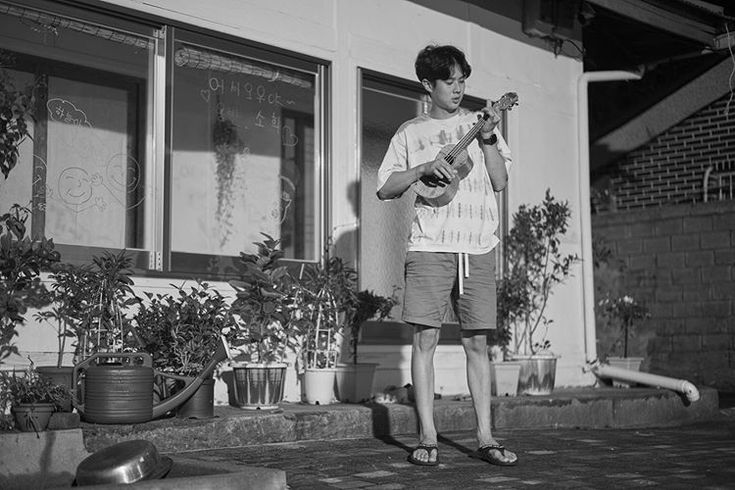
[{"x": 493, "y": 139}]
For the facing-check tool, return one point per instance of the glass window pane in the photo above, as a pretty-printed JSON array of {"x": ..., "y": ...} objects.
[
  {"x": 384, "y": 225},
  {"x": 84, "y": 170},
  {"x": 244, "y": 158}
]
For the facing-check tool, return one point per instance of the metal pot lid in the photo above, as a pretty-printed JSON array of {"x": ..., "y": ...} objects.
[{"x": 125, "y": 462}]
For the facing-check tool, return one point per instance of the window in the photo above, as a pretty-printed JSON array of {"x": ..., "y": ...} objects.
[
  {"x": 245, "y": 154},
  {"x": 83, "y": 171},
  {"x": 179, "y": 146}
]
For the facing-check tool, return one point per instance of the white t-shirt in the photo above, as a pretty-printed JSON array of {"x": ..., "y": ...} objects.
[{"x": 468, "y": 223}]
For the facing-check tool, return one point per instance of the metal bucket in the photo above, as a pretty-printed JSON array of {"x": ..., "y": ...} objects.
[
  {"x": 259, "y": 386},
  {"x": 537, "y": 374}
]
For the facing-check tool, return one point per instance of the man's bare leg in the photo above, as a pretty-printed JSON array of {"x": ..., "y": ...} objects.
[
  {"x": 425, "y": 340},
  {"x": 478, "y": 379}
]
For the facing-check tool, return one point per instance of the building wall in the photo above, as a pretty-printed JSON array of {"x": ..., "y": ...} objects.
[
  {"x": 384, "y": 36},
  {"x": 670, "y": 169},
  {"x": 680, "y": 260}
]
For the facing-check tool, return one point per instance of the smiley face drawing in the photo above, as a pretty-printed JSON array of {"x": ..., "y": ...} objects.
[{"x": 75, "y": 186}]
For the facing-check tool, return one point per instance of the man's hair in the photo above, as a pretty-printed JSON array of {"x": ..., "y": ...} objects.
[{"x": 436, "y": 62}]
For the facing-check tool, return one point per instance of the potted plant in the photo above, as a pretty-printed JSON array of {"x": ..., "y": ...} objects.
[
  {"x": 325, "y": 291},
  {"x": 334, "y": 310},
  {"x": 535, "y": 265},
  {"x": 622, "y": 313},
  {"x": 354, "y": 378},
  {"x": 31, "y": 398},
  {"x": 265, "y": 326},
  {"x": 70, "y": 304},
  {"x": 182, "y": 332},
  {"x": 22, "y": 259}
]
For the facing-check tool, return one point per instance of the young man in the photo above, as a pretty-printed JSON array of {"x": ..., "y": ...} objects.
[{"x": 450, "y": 256}]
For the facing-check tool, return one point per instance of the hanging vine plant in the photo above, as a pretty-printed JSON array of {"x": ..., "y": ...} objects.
[{"x": 227, "y": 145}]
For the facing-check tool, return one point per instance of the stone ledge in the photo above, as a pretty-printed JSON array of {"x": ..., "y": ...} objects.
[{"x": 583, "y": 408}]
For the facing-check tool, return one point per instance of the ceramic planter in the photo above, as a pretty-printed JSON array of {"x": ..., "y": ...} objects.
[
  {"x": 505, "y": 378},
  {"x": 259, "y": 386},
  {"x": 319, "y": 385},
  {"x": 537, "y": 374},
  {"x": 355, "y": 381},
  {"x": 32, "y": 417}
]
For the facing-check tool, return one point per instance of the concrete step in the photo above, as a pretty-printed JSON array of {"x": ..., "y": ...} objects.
[
  {"x": 49, "y": 459},
  {"x": 583, "y": 408}
]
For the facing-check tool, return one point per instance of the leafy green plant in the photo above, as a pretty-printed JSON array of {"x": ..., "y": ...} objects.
[
  {"x": 15, "y": 106},
  {"x": 264, "y": 304},
  {"x": 72, "y": 290},
  {"x": 535, "y": 266},
  {"x": 182, "y": 331},
  {"x": 22, "y": 259},
  {"x": 29, "y": 387},
  {"x": 623, "y": 311},
  {"x": 332, "y": 307},
  {"x": 108, "y": 292},
  {"x": 370, "y": 306},
  {"x": 88, "y": 302}
]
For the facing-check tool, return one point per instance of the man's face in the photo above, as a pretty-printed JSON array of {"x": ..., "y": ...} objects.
[{"x": 446, "y": 95}]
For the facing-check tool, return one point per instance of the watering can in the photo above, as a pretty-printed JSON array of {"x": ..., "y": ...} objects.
[{"x": 121, "y": 392}]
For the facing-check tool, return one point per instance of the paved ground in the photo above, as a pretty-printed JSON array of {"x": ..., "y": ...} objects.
[{"x": 693, "y": 456}]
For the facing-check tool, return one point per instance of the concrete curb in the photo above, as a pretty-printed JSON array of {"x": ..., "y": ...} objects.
[
  {"x": 42, "y": 460},
  {"x": 583, "y": 408},
  {"x": 49, "y": 459}
]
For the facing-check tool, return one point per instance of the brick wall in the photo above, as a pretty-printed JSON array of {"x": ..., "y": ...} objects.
[
  {"x": 681, "y": 261},
  {"x": 670, "y": 169}
]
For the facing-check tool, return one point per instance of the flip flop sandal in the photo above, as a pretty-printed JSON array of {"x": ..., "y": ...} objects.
[
  {"x": 486, "y": 453},
  {"x": 428, "y": 449}
]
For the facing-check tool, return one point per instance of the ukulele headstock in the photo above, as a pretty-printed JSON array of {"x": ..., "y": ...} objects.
[{"x": 507, "y": 101}]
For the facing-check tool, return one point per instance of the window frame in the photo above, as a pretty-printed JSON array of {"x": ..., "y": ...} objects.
[
  {"x": 155, "y": 145},
  {"x": 227, "y": 265}
]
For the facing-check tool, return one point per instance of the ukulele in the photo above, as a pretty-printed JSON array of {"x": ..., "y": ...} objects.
[{"x": 439, "y": 192}]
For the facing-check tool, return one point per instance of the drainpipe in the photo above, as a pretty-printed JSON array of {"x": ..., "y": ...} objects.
[{"x": 590, "y": 334}]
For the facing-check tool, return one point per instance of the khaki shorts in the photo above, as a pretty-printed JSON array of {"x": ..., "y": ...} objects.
[{"x": 432, "y": 285}]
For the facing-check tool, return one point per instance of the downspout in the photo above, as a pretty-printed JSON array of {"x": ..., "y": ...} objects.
[{"x": 590, "y": 334}]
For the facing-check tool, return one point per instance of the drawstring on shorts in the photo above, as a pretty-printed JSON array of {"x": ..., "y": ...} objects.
[{"x": 463, "y": 270}]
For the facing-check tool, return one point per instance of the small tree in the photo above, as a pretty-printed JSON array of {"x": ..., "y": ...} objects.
[
  {"x": 264, "y": 304},
  {"x": 535, "y": 266},
  {"x": 623, "y": 311},
  {"x": 22, "y": 259}
]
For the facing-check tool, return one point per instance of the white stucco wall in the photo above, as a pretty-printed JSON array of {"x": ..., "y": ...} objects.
[{"x": 384, "y": 36}]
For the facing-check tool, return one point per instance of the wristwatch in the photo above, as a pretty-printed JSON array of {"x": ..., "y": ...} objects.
[{"x": 493, "y": 139}]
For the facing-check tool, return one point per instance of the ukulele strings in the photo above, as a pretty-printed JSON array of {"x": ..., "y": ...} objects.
[
  {"x": 463, "y": 142},
  {"x": 449, "y": 157}
]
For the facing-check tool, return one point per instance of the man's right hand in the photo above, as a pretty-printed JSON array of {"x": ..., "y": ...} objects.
[{"x": 438, "y": 172}]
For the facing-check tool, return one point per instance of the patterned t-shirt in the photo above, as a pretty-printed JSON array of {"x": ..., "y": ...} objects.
[{"x": 468, "y": 223}]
